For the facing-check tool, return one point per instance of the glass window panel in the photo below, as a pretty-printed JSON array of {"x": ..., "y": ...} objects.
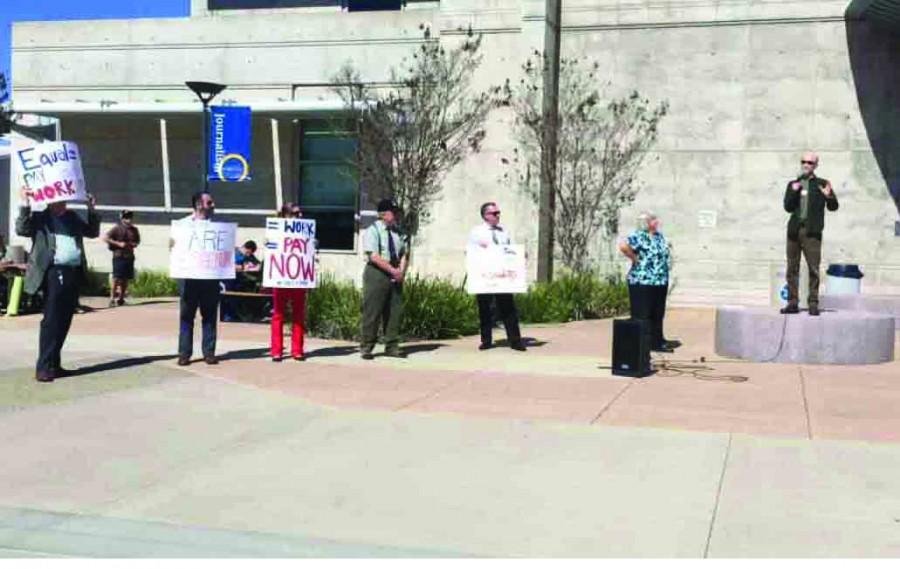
[
  {"x": 328, "y": 148},
  {"x": 327, "y": 186},
  {"x": 334, "y": 229}
]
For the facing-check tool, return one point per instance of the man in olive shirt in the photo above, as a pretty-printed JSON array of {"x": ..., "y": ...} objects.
[
  {"x": 386, "y": 259},
  {"x": 55, "y": 265},
  {"x": 806, "y": 199}
]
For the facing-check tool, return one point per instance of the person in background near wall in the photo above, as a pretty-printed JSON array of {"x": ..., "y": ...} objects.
[
  {"x": 247, "y": 277},
  {"x": 55, "y": 265},
  {"x": 383, "y": 276},
  {"x": 806, "y": 199},
  {"x": 198, "y": 293},
  {"x": 281, "y": 297},
  {"x": 122, "y": 239},
  {"x": 648, "y": 279},
  {"x": 492, "y": 234}
]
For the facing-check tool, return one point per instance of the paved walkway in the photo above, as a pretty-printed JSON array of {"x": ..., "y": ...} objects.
[{"x": 451, "y": 452}]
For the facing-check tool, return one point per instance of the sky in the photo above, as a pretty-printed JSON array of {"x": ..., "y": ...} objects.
[{"x": 29, "y": 10}]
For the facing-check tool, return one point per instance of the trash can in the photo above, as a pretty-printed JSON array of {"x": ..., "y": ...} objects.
[{"x": 843, "y": 279}]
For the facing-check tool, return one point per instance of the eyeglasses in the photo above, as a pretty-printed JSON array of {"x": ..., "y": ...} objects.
[
  {"x": 295, "y": 212},
  {"x": 810, "y": 162}
]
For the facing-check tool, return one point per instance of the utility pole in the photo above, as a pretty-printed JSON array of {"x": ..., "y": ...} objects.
[{"x": 549, "y": 140}]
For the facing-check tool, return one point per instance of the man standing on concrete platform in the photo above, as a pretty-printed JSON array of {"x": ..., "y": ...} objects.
[
  {"x": 806, "y": 199},
  {"x": 491, "y": 234},
  {"x": 198, "y": 293},
  {"x": 383, "y": 276},
  {"x": 56, "y": 267}
]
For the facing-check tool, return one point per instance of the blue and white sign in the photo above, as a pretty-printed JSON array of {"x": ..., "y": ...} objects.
[
  {"x": 4, "y": 88},
  {"x": 229, "y": 144}
]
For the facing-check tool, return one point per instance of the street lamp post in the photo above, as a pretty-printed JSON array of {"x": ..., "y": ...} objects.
[{"x": 206, "y": 92}]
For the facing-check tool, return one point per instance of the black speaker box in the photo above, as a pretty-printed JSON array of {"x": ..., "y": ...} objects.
[{"x": 631, "y": 348}]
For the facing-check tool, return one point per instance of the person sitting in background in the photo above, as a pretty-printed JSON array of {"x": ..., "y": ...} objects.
[
  {"x": 248, "y": 271},
  {"x": 648, "y": 279},
  {"x": 122, "y": 239},
  {"x": 280, "y": 299}
]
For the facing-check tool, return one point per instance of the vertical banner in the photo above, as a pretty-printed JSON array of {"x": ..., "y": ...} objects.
[
  {"x": 229, "y": 144},
  {"x": 290, "y": 258},
  {"x": 202, "y": 249},
  {"x": 496, "y": 270},
  {"x": 4, "y": 88},
  {"x": 52, "y": 171}
]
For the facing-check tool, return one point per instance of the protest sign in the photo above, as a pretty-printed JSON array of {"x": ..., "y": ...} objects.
[
  {"x": 202, "y": 249},
  {"x": 496, "y": 270},
  {"x": 290, "y": 257},
  {"x": 52, "y": 171}
]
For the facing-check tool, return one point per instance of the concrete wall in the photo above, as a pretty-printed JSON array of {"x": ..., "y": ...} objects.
[{"x": 750, "y": 85}]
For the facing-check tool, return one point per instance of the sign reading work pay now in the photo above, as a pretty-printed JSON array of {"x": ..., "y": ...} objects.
[{"x": 290, "y": 259}]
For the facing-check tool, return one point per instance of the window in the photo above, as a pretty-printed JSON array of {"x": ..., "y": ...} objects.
[{"x": 329, "y": 186}]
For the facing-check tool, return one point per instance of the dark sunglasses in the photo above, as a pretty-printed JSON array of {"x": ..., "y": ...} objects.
[
  {"x": 492, "y": 213},
  {"x": 810, "y": 162}
]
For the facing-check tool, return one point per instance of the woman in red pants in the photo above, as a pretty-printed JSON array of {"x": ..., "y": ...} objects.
[{"x": 280, "y": 299}]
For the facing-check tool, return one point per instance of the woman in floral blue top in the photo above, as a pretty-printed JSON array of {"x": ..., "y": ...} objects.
[{"x": 648, "y": 279}]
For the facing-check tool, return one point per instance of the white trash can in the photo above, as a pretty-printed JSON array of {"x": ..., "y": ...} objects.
[{"x": 843, "y": 279}]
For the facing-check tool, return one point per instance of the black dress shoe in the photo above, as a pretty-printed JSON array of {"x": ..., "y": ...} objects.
[
  {"x": 518, "y": 346},
  {"x": 184, "y": 361},
  {"x": 299, "y": 358},
  {"x": 790, "y": 309},
  {"x": 211, "y": 360},
  {"x": 44, "y": 376},
  {"x": 277, "y": 359},
  {"x": 814, "y": 311},
  {"x": 367, "y": 356},
  {"x": 485, "y": 346}
]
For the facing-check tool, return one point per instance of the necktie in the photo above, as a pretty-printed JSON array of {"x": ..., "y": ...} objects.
[
  {"x": 494, "y": 230},
  {"x": 392, "y": 249}
]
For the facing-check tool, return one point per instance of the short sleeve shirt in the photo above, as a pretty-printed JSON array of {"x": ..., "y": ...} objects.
[
  {"x": 65, "y": 231},
  {"x": 375, "y": 240},
  {"x": 653, "y": 259}
]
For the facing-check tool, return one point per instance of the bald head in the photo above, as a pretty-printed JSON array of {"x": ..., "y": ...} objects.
[{"x": 809, "y": 162}]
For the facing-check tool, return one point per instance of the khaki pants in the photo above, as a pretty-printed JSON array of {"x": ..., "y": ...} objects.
[
  {"x": 811, "y": 248},
  {"x": 382, "y": 303}
]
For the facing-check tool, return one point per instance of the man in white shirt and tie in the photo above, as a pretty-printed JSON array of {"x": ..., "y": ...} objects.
[{"x": 492, "y": 234}]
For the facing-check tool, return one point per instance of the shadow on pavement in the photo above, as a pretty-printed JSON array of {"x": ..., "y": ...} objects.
[
  {"x": 117, "y": 364},
  {"x": 416, "y": 348},
  {"x": 248, "y": 354},
  {"x": 333, "y": 351}
]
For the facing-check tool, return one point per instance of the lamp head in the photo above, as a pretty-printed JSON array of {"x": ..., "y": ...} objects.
[{"x": 204, "y": 90}]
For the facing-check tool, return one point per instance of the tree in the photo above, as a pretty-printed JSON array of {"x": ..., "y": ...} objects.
[
  {"x": 412, "y": 134},
  {"x": 601, "y": 144}
]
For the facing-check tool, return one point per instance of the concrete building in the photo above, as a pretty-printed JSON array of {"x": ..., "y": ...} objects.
[{"x": 751, "y": 84}]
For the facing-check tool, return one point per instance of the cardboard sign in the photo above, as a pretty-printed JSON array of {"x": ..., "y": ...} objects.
[
  {"x": 496, "y": 270},
  {"x": 290, "y": 257},
  {"x": 202, "y": 250},
  {"x": 52, "y": 171}
]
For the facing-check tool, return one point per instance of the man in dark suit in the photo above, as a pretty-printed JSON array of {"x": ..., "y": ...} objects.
[
  {"x": 56, "y": 266},
  {"x": 806, "y": 199}
]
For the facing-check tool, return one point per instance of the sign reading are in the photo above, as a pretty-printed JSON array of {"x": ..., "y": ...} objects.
[
  {"x": 202, "y": 249},
  {"x": 52, "y": 171},
  {"x": 496, "y": 270},
  {"x": 290, "y": 257}
]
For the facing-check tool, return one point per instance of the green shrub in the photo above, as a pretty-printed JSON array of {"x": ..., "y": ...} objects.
[
  {"x": 333, "y": 309},
  {"x": 435, "y": 309},
  {"x": 96, "y": 283},
  {"x": 571, "y": 297},
  {"x": 152, "y": 284}
]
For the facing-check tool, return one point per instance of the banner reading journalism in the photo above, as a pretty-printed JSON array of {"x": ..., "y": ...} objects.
[
  {"x": 229, "y": 144},
  {"x": 52, "y": 171},
  {"x": 202, "y": 249},
  {"x": 496, "y": 270},
  {"x": 290, "y": 258}
]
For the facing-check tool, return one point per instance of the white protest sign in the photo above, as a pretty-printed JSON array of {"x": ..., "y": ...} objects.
[
  {"x": 52, "y": 171},
  {"x": 202, "y": 249},
  {"x": 496, "y": 270},
  {"x": 290, "y": 257}
]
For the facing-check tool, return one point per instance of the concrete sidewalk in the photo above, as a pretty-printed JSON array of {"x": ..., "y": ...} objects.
[{"x": 452, "y": 452}]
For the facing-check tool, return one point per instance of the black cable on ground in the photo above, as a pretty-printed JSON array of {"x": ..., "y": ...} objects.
[{"x": 667, "y": 368}]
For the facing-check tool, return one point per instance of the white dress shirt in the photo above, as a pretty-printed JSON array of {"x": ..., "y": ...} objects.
[{"x": 491, "y": 235}]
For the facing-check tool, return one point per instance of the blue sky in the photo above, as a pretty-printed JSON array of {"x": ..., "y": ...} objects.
[{"x": 27, "y": 10}]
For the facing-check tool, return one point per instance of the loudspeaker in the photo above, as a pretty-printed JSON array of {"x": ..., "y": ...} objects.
[{"x": 631, "y": 348}]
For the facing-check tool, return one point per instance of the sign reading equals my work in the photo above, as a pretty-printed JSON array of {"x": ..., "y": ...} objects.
[{"x": 229, "y": 144}]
